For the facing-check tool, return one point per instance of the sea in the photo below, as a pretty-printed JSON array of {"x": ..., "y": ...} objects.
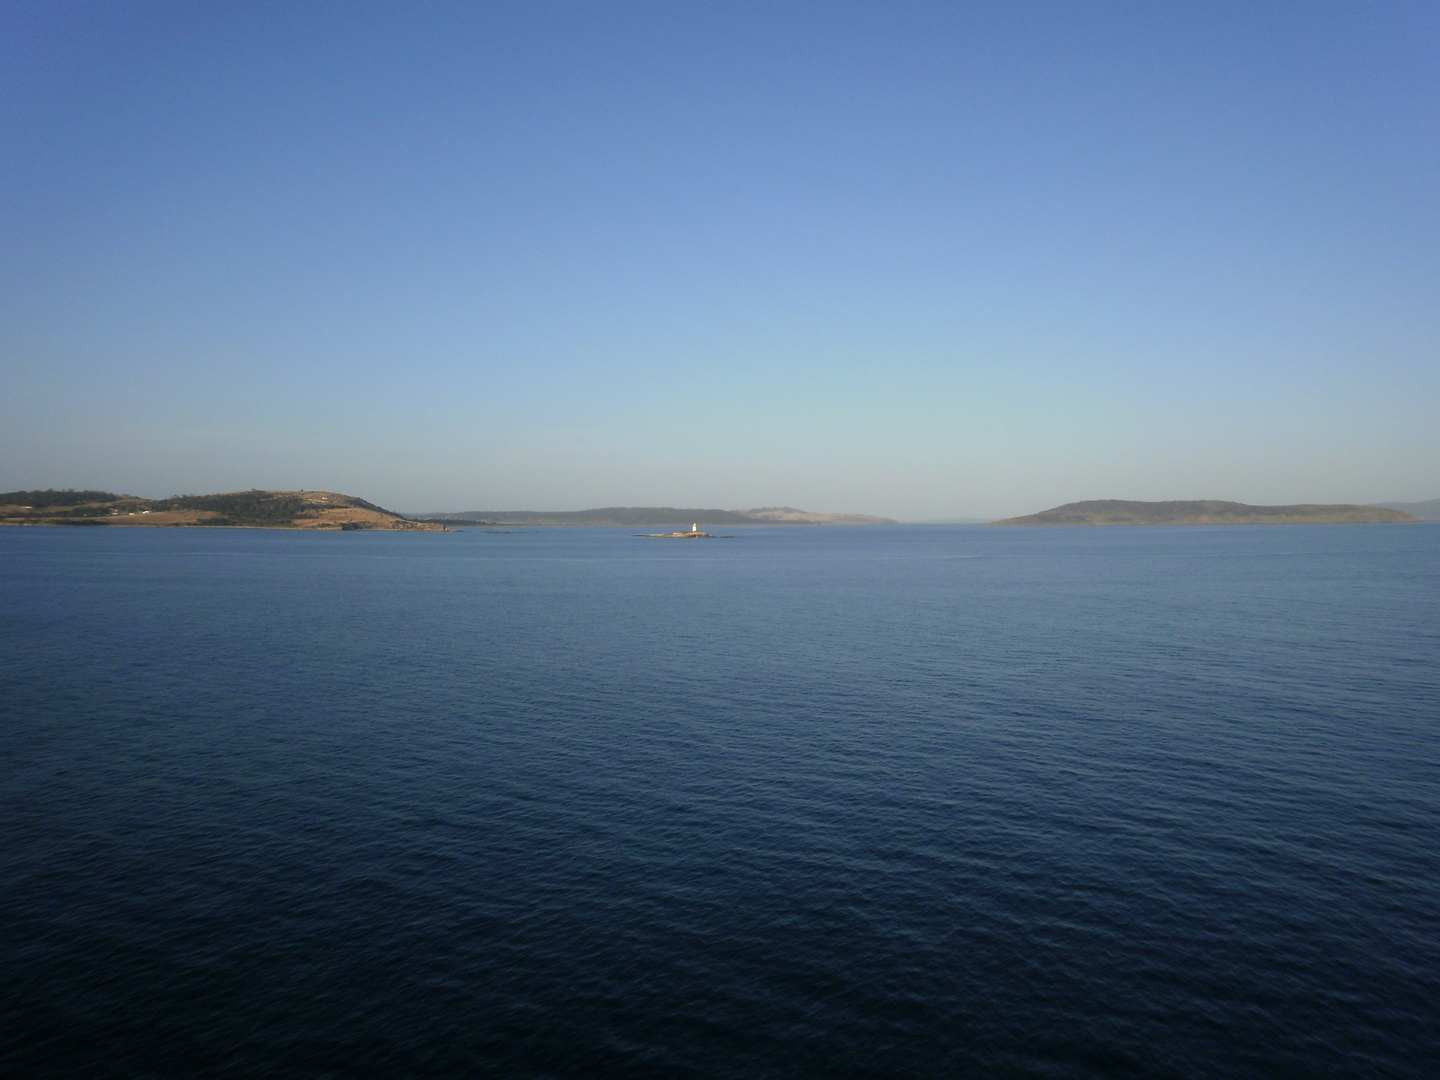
[{"x": 910, "y": 801}]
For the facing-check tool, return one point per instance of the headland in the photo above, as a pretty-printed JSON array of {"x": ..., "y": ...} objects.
[{"x": 327, "y": 510}]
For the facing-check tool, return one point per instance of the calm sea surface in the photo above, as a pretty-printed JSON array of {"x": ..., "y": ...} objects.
[{"x": 889, "y": 802}]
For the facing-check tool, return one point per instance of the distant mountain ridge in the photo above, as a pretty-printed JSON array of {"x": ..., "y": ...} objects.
[
  {"x": 654, "y": 515},
  {"x": 788, "y": 515},
  {"x": 1207, "y": 512}
]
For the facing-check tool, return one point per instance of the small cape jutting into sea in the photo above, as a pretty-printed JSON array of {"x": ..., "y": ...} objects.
[{"x": 236, "y": 509}]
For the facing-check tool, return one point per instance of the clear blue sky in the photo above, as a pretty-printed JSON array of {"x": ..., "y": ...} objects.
[{"x": 921, "y": 260}]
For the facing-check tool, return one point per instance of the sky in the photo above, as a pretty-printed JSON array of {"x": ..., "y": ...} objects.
[{"x": 928, "y": 261}]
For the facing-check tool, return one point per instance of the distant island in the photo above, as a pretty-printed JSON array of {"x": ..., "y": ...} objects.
[
  {"x": 236, "y": 509},
  {"x": 1207, "y": 512},
  {"x": 1429, "y": 510},
  {"x": 654, "y": 516}
]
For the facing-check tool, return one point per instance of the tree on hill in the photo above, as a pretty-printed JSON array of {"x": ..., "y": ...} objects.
[{"x": 240, "y": 507}]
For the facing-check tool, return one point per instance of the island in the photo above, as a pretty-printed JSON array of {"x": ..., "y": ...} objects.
[
  {"x": 236, "y": 509},
  {"x": 1207, "y": 512}
]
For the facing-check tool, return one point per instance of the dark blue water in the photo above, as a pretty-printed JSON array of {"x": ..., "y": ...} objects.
[{"x": 810, "y": 802}]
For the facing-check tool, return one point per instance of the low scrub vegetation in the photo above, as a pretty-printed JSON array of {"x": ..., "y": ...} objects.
[
  {"x": 239, "y": 508},
  {"x": 44, "y": 500}
]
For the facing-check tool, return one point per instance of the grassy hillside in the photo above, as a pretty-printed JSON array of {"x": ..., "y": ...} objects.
[{"x": 250, "y": 509}]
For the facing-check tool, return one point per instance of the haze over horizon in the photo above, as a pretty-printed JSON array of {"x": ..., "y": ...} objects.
[{"x": 921, "y": 261}]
